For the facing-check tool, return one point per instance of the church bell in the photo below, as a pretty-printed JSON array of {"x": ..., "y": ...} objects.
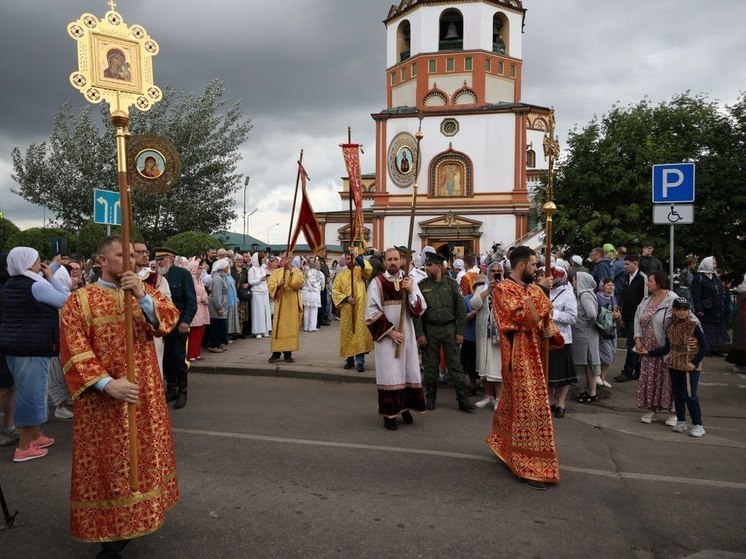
[{"x": 452, "y": 32}]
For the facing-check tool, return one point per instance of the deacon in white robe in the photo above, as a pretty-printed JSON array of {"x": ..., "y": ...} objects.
[{"x": 261, "y": 312}]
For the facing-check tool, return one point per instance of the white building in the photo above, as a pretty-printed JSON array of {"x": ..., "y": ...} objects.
[{"x": 458, "y": 65}]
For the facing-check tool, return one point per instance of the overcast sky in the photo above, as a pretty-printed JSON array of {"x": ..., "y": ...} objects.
[{"x": 306, "y": 69}]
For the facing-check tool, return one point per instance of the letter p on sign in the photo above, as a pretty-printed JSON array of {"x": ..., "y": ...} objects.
[{"x": 673, "y": 183}]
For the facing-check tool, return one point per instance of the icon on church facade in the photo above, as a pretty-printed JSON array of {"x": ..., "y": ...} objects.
[{"x": 404, "y": 160}]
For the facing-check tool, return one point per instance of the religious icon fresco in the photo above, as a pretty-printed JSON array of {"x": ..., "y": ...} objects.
[
  {"x": 404, "y": 160},
  {"x": 450, "y": 180},
  {"x": 150, "y": 164}
]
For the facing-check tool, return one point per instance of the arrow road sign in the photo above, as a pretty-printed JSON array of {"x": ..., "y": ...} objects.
[
  {"x": 673, "y": 183},
  {"x": 107, "y": 208},
  {"x": 673, "y": 214}
]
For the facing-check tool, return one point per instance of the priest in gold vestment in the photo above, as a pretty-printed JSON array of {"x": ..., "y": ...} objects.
[
  {"x": 284, "y": 286},
  {"x": 522, "y": 432},
  {"x": 352, "y": 306},
  {"x": 92, "y": 350}
]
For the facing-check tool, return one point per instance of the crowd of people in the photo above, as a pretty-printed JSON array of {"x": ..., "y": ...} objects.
[{"x": 481, "y": 322}]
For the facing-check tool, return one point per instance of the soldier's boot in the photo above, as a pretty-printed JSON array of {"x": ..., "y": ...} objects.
[
  {"x": 431, "y": 391},
  {"x": 463, "y": 402},
  {"x": 171, "y": 393},
  {"x": 181, "y": 396}
]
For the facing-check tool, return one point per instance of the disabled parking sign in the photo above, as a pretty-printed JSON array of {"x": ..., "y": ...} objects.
[{"x": 673, "y": 183}]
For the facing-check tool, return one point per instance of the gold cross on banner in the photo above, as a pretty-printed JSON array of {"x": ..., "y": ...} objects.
[{"x": 112, "y": 4}]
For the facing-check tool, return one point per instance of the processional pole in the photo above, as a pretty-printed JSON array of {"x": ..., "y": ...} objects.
[
  {"x": 408, "y": 256},
  {"x": 551, "y": 152}
]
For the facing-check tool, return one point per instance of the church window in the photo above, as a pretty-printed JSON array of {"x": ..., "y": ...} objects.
[
  {"x": 468, "y": 64},
  {"x": 530, "y": 158},
  {"x": 393, "y": 78},
  {"x": 432, "y": 66},
  {"x": 403, "y": 40},
  {"x": 500, "y": 68},
  {"x": 449, "y": 127},
  {"x": 500, "y": 33},
  {"x": 414, "y": 69},
  {"x": 512, "y": 70},
  {"x": 450, "y": 65},
  {"x": 488, "y": 64},
  {"x": 403, "y": 73},
  {"x": 451, "y": 32}
]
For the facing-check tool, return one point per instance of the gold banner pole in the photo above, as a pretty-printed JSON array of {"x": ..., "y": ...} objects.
[{"x": 551, "y": 151}]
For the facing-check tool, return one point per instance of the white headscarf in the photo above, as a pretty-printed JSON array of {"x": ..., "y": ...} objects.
[
  {"x": 255, "y": 260},
  {"x": 297, "y": 262},
  {"x": 458, "y": 264},
  {"x": 707, "y": 266},
  {"x": 63, "y": 276},
  {"x": 220, "y": 265},
  {"x": 20, "y": 259}
]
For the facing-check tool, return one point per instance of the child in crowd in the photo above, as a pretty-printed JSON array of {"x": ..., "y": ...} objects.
[{"x": 684, "y": 364}]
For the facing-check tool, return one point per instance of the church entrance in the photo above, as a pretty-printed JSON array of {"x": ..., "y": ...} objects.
[
  {"x": 458, "y": 248},
  {"x": 461, "y": 234}
]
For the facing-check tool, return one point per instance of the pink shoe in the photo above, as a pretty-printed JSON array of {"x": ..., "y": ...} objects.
[
  {"x": 43, "y": 441},
  {"x": 30, "y": 453}
]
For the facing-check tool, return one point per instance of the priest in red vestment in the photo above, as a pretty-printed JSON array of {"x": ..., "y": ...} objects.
[
  {"x": 102, "y": 506},
  {"x": 522, "y": 432}
]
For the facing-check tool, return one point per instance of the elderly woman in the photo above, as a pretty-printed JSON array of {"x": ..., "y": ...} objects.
[
  {"x": 651, "y": 320},
  {"x": 29, "y": 338},
  {"x": 561, "y": 366},
  {"x": 585, "y": 336},
  {"x": 234, "y": 324},
  {"x": 240, "y": 274},
  {"x": 217, "y": 305},
  {"x": 202, "y": 316},
  {"x": 489, "y": 359},
  {"x": 311, "y": 294},
  {"x": 708, "y": 295}
]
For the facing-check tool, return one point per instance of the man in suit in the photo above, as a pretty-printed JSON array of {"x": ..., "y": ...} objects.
[{"x": 636, "y": 289}]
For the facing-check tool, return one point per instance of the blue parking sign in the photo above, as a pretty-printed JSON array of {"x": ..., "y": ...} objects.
[{"x": 673, "y": 183}]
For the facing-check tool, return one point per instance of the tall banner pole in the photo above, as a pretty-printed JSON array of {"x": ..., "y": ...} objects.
[
  {"x": 408, "y": 257},
  {"x": 551, "y": 151}
]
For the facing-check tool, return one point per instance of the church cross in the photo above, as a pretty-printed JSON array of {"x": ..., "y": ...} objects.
[{"x": 112, "y": 4}]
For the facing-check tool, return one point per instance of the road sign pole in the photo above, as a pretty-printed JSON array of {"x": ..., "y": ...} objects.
[
  {"x": 670, "y": 261},
  {"x": 108, "y": 230}
]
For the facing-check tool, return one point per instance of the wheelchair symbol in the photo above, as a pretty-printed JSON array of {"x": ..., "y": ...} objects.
[{"x": 674, "y": 216}]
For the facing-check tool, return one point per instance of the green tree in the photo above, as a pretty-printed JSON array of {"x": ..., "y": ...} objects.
[
  {"x": 41, "y": 239},
  {"x": 603, "y": 184},
  {"x": 7, "y": 228},
  {"x": 91, "y": 234},
  {"x": 190, "y": 243},
  {"x": 80, "y": 156}
]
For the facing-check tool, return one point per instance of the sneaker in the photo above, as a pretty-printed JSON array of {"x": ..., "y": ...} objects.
[
  {"x": 680, "y": 427},
  {"x": 29, "y": 454},
  {"x": 258, "y": 336},
  {"x": 648, "y": 417},
  {"x": 497, "y": 402},
  {"x": 13, "y": 432},
  {"x": 671, "y": 421},
  {"x": 63, "y": 412},
  {"x": 42, "y": 441},
  {"x": 606, "y": 384},
  {"x": 697, "y": 431},
  {"x": 484, "y": 402},
  {"x": 5, "y": 440},
  {"x": 599, "y": 381}
]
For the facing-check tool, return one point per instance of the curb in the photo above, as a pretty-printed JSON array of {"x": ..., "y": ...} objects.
[{"x": 280, "y": 372}]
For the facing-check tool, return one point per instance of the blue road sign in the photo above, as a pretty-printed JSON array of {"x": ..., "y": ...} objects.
[
  {"x": 673, "y": 183},
  {"x": 107, "y": 208}
]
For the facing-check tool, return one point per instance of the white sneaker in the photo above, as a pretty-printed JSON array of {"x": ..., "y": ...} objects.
[
  {"x": 680, "y": 427},
  {"x": 648, "y": 417},
  {"x": 484, "y": 402},
  {"x": 599, "y": 381},
  {"x": 607, "y": 384},
  {"x": 258, "y": 336},
  {"x": 497, "y": 403},
  {"x": 63, "y": 412},
  {"x": 671, "y": 421},
  {"x": 697, "y": 431}
]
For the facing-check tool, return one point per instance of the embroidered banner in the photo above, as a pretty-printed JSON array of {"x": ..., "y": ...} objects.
[
  {"x": 306, "y": 219},
  {"x": 351, "y": 154}
]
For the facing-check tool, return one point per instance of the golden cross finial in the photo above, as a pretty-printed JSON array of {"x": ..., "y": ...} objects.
[{"x": 112, "y": 5}]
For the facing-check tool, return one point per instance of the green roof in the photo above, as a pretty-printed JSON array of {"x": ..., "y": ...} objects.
[{"x": 232, "y": 240}]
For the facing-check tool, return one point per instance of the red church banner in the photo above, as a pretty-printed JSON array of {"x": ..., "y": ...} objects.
[
  {"x": 306, "y": 219},
  {"x": 351, "y": 153}
]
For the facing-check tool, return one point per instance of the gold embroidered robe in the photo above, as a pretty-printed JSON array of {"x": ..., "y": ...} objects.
[
  {"x": 102, "y": 506},
  {"x": 285, "y": 334},
  {"x": 360, "y": 341},
  {"x": 522, "y": 432}
]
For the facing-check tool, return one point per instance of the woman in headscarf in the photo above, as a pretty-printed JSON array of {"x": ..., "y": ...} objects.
[
  {"x": 29, "y": 338},
  {"x": 311, "y": 295},
  {"x": 607, "y": 341},
  {"x": 561, "y": 366},
  {"x": 217, "y": 305},
  {"x": 708, "y": 294},
  {"x": 234, "y": 324},
  {"x": 489, "y": 360},
  {"x": 202, "y": 316},
  {"x": 261, "y": 311},
  {"x": 737, "y": 355},
  {"x": 585, "y": 336},
  {"x": 240, "y": 274}
]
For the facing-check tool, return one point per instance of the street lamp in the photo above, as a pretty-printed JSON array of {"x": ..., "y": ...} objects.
[
  {"x": 245, "y": 184},
  {"x": 247, "y": 224},
  {"x": 268, "y": 228}
]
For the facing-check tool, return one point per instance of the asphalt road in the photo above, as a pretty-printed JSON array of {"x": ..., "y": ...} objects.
[{"x": 275, "y": 467}]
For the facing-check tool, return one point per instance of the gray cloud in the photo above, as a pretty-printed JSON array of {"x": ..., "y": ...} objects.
[{"x": 306, "y": 70}]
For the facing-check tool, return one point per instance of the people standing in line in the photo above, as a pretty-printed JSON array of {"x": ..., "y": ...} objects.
[
  {"x": 284, "y": 287},
  {"x": 261, "y": 312},
  {"x": 633, "y": 294},
  {"x": 585, "y": 337},
  {"x": 489, "y": 360},
  {"x": 607, "y": 343},
  {"x": 441, "y": 327},
  {"x": 398, "y": 379},
  {"x": 708, "y": 294},
  {"x": 202, "y": 316},
  {"x": 102, "y": 505},
  {"x": 217, "y": 306},
  {"x": 651, "y": 321},
  {"x": 684, "y": 360},
  {"x": 523, "y": 314},
  {"x": 313, "y": 285},
  {"x": 354, "y": 341},
  {"x": 561, "y": 366},
  {"x": 648, "y": 263},
  {"x": 175, "y": 364},
  {"x": 29, "y": 338},
  {"x": 240, "y": 274}
]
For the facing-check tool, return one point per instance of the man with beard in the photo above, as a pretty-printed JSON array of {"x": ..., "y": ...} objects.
[
  {"x": 175, "y": 364},
  {"x": 348, "y": 295},
  {"x": 442, "y": 326},
  {"x": 522, "y": 434},
  {"x": 398, "y": 379}
]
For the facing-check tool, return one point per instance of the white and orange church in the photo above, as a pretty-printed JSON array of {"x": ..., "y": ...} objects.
[{"x": 458, "y": 64}]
